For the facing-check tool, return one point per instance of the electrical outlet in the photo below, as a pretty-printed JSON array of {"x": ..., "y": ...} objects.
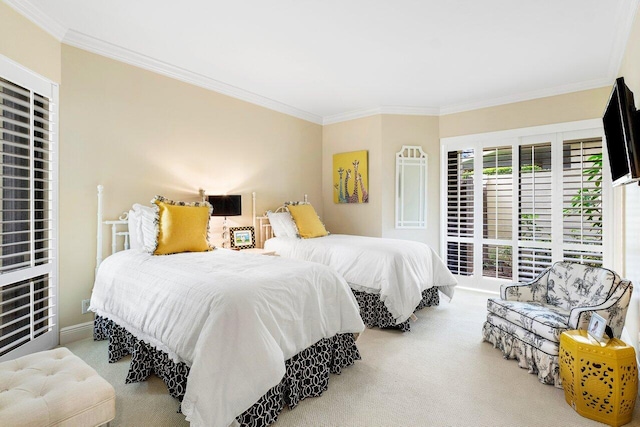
[{"x": 85, "y": 306}]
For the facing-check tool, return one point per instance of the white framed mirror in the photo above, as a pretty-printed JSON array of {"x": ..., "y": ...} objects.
[{"x": 411, "y": 187}]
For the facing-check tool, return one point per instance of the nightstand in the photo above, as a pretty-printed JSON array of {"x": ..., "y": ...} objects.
[
  {"x": 259, "y": 251},
  {"x": 600, "y": 381}
]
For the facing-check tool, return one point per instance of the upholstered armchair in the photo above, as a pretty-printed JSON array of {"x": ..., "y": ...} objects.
[{"x": 525, "y": 323}]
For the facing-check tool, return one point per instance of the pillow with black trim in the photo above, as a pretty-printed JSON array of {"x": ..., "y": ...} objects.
[
  {"x": 182, "y": 226},
  {"x": 307, "y": 221},
  {"x": 282, "y": 224}
]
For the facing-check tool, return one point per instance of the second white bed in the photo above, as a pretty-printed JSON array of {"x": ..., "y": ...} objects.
[{"x": 399, "y": 271}]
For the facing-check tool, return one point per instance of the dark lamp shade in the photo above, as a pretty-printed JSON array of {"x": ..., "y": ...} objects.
[{"x": 230, "y": 205}]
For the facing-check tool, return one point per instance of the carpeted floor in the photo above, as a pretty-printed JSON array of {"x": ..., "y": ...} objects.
[{"x": 439, "y": 374}]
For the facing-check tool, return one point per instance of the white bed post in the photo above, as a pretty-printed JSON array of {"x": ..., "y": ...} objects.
[
  {"x": 305, "y": 198},
  {"x": 99, "y": 248}
]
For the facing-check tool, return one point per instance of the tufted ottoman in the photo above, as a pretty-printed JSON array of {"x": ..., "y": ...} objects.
[{"x": 54, "y": 388}]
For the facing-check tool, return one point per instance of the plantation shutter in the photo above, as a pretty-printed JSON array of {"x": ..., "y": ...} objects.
[
  {"x": 497, "y": 213},
  {"x": 28, "y": 194},
  {"x": 517, "y": 201},
  {"x": 582, "y": 201},
  {"x": 460, "y": 211},
  {"x": 534, "y": 210}
]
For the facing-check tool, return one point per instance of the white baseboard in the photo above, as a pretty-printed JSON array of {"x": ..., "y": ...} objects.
[{"x": 76, "y": 332}]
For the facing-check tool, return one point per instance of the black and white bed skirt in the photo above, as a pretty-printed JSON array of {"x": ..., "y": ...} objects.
[
  {"x": 307, "y": 373},
  {"x": 375, "y": 313}
]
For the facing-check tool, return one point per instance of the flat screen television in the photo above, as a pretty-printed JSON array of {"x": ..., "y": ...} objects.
[{"x": 622, "y": 130}]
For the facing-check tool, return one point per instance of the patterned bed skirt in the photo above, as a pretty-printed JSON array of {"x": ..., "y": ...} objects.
[
  {"x": 307, "y": 373},
  {"x": 546, "y": 366},
  {"x": 375, "y": 313}
]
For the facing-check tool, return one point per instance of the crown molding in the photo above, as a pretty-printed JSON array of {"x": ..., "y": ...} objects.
[
  {"x": 461, "y": 108},
  {"x": 357, "y": 114},
  {"x": 350, "y": 115},
  {"x": 527, "y": 96},
  {"x": 410, "y": 111},
  {"x": 91, "y": 44},
  {"x": 74, "y": 38},
  {"x": 27, "y": 9}
]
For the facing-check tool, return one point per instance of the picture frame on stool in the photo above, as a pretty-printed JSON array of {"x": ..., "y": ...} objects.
[{"x": 597, "y": 325}]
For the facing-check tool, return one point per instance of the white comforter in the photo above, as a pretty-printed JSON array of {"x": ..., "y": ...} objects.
[
  {"x": 399, "y": 270},
  {"x": 234, "y": 318}
]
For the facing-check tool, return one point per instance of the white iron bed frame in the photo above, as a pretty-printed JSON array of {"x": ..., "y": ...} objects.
[{"x": 118, "y": 233}]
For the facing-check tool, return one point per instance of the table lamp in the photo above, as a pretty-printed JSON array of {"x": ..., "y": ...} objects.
[{"x": 227, "y": 205}]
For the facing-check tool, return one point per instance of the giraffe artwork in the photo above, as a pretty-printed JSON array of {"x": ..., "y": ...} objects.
[
  {"x": 346, "y": 186},
  {"x": 354, "y": 196},
  {"x": 341, "y": 198},
  {"x": 351, "y": 177},
  {"x": 365, "y": 194}
]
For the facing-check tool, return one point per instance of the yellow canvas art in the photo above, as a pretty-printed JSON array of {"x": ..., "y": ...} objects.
[{"x": 351, "y": 177}]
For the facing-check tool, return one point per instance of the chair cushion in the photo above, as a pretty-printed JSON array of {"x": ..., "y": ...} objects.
[
  {"x": 544, "y": 321},
  {"x": 577, "y": 285},
  {"x": 548, "y": 347}
]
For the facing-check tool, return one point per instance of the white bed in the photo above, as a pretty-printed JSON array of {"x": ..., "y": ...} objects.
[
  {"x": 222, "y": 327},
  {"x": 397, "y": 271},
  {"x": 390, "y": 278}
]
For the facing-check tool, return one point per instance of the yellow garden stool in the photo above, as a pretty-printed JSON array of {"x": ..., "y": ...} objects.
[{"x": 600, "y": 380}]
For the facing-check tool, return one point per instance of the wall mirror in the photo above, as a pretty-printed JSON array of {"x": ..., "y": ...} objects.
[{"x": 411, "y": 187}]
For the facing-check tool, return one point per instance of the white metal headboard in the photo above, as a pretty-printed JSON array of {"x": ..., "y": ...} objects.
[
  {"x": 114, "y": 224},
  {"x": 264, "y": 231}
]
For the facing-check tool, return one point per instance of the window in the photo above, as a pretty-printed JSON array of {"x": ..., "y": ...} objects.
[
  {"x": 28, "y": 199},
  {"x": 527, "y": 198},
  {"x": 460, "y": 212},
  {"x": 497, "y": 211}
]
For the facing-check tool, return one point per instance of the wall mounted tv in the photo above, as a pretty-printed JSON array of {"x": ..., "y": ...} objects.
[{"x": 622, "y": 130}]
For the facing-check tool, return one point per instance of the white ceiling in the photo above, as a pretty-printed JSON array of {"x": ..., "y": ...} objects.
[{"x": 332, "y": 60}]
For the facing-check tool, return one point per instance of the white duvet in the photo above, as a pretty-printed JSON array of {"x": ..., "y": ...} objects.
[
  {"x": 234, "y": 318},
  {"x": 398, "y": 270}
]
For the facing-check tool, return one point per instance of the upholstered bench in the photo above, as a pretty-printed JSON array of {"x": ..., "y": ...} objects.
[{"x": 54, "y": 388}]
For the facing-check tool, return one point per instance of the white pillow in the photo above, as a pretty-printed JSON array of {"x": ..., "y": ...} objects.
[
  {"x": 148, "y": 228},
  {"x": 282, "y": 224},
  {"x": 135, "y": 236}
]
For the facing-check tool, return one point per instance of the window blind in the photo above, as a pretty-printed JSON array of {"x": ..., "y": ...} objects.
[
  {"x": 27, "y": 244},
  {"x": 460, "y": 211},
  {"x": 539, "y": 198}
]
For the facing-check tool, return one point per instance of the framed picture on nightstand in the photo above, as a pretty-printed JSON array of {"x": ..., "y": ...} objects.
[
  {"x": 242, "y": 237},
  {"x": 597, "y": 325}
]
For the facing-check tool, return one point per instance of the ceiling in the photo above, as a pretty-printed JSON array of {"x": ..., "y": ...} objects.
[{"x": 332, "y": 60}]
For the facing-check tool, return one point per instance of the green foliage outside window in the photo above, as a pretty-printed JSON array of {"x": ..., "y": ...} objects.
[{"x": 589, "y": 200}]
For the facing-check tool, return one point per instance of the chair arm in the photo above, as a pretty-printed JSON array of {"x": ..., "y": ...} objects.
[
  {"x": 613, "y": 310},
  {"x": 535, "y": 290}
]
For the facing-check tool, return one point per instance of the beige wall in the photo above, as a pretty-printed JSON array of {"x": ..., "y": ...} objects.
[
  {"x": 141, "y": 134},
  {"x": 28, "y": 45},
  {"x": 630, "y": 70},
  {"x": 587, "y": 104},
  {"x": 360, "y": 134},
  {"x": 382, "y": 136}
]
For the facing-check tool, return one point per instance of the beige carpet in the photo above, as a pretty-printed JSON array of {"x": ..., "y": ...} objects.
[{"x": 439, "y": 374}]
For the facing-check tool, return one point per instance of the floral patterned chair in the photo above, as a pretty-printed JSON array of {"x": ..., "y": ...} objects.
[{"x": 528, "y": 318}]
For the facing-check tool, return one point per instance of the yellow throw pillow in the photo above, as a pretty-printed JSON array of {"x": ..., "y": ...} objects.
[
  {"x": 307, "y": 221},
  {"x": 182, "y": 227}
]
